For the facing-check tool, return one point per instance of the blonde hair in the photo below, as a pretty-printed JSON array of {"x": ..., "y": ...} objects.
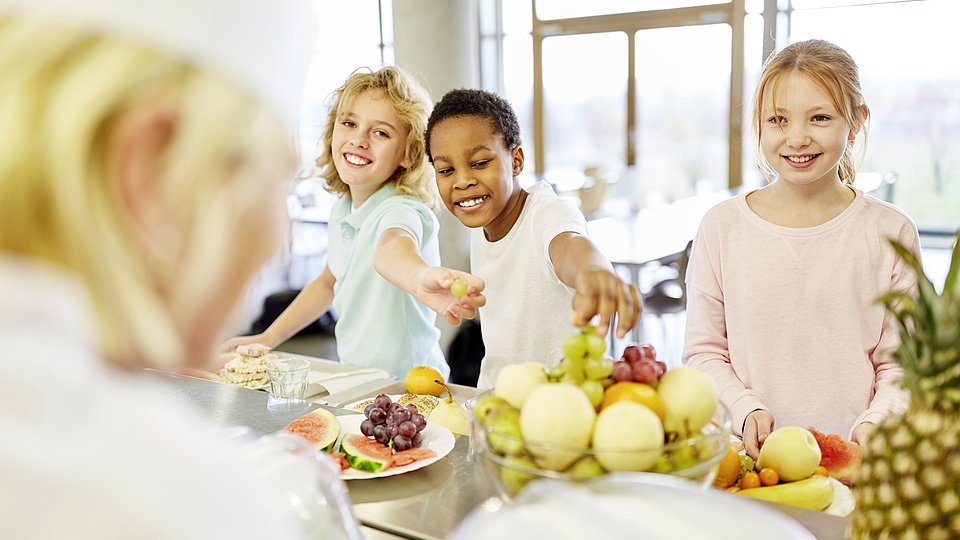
[
  {"x": 411, "y": 103},
  {"x": 62, "y": 94},
  {"x": 834, "y": 71}
]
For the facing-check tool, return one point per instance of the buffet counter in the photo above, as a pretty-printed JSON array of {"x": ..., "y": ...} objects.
[{"x": 427, "y": 503}]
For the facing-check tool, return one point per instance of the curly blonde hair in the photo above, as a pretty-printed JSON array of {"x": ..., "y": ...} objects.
[
  {"x": 62, "y": 103},
  {"x": 833, "y": 70},
  {"x": 412, "y": 104}
]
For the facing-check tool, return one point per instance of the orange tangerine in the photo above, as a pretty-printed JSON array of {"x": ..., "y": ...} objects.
[
  {"x": 643, "y": 394},
  {"x": 728, "y": 470}
]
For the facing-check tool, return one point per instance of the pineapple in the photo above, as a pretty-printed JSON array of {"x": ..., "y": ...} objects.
[{"x": 908, "y": 485}]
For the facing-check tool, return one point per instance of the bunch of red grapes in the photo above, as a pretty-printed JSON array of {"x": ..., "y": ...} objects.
[
  {"x": 388, "y": 421},
  {"x": 639, "y": 364}
]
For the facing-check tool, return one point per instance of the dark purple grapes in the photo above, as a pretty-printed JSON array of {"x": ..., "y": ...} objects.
[
  {"x": 383, "y": 401},
  {"x": 377, "y": 415},
  {"x": 380, "y": 434},
  {"x": 401, "y": 416},
  {"x": 401, "y": 443},
  {"x": 391, "y": 423},
  {"x": 407, "y": 429}
]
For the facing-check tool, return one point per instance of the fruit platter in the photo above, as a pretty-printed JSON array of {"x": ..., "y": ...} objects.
[
  {"x": 387, "y": 439},
  {"x": 589, "y": 415},
  {"x": 796, "y": 467}
]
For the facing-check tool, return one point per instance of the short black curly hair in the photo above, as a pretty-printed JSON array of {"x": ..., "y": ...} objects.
[{"x": 476, "y": 102}]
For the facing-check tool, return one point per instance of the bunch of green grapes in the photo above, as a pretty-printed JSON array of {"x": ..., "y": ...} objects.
[{"x": 584, "y": 363}]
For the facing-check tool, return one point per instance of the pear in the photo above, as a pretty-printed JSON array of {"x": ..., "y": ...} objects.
[
  {"x": 556, "y": 421},
  {"x": 504, "y": 434},
  {"x": 792, "y": 451},
  {"x": 513, "y": 479},
  {"x": 690, "y": 398},
  {"x": 515, "y": 381},
  {"x": 586, "y": 467},
  {"x": 488, "y": 407},
  {"x": 450, "y": 414},
  {"x": 423, "y": 380}
]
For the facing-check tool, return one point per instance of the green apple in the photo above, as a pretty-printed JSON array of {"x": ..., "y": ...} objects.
[{"x": 792, "y": 451}]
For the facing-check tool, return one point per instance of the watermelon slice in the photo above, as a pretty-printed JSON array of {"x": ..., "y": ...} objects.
[
  {"x": 840, "y": 456},
  {"x": 409, "y": 456},
  {"x": 365, "y": 454},
  {"x": 318, "y": 427}
]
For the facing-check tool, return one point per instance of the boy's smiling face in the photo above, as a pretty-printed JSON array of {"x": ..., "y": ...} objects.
[{"x": 476, "y": 174}]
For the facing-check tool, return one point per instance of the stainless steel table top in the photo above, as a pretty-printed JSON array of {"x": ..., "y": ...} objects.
[{"x": 426, "y": 503}]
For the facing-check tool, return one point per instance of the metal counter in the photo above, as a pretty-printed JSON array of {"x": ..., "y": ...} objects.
[{"x": 426, "y": 503}]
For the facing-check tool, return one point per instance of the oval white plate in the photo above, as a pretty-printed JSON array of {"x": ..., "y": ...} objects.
[
  {"x": 356, "y": 405},
  {"x": 434, "y": 437},
  {"x": 635, "y": 505}
]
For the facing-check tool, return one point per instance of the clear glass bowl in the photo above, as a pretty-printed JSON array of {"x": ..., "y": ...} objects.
[{"x": 694, "y": 458}]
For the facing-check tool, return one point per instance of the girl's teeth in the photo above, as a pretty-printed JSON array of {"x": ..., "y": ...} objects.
[
  {"x": 356, "y": 160},
  {"x": 799, "y": 159}
]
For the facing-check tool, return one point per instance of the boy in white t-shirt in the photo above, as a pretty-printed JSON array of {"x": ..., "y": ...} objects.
[{"x": 542, "y": 275}]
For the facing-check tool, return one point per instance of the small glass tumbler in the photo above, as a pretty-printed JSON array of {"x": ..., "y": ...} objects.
[{"x": 288, "y": 377}]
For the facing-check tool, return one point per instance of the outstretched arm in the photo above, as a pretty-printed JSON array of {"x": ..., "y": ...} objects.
[
  {"x": 599, "y": 290},
  {"x": 312, "y": 302},
  {"x": 397, "y": 258}
]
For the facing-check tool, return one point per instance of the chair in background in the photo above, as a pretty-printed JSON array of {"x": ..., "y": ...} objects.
[{"x": 668, "y": 295}]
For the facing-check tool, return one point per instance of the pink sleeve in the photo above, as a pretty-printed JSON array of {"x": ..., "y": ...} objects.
[
  {"x": 705, "y": 346},
  {"x": 889, "y": 397}
]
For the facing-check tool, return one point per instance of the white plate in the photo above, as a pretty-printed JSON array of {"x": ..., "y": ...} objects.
[
  {"x": 356, "y": 405},
  {"x": 843, "y": 500},
  {"x": 636, "y": 505},
  {"x": 434, "y": 437}
]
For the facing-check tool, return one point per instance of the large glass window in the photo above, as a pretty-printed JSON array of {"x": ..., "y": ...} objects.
[
  {"x": 565, "y": 9},
  {"x": 911, "y": 80},
  {"x": 585, "y": 82},
  {"x": 683, "y": 87}
]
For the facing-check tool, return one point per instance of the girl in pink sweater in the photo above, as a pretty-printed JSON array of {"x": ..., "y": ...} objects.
[{"x": 783, "y": 280}]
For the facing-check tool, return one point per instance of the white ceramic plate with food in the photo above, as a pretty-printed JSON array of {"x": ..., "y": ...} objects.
[
  {"x": 434, "y": 437},
  {"x": 425, "y": 403}
]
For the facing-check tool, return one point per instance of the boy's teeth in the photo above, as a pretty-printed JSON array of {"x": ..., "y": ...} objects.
[
  {"x": 356, "y": 160},
  {"x": 799, "y": 159},
  {"x": 470, "y": 202}
]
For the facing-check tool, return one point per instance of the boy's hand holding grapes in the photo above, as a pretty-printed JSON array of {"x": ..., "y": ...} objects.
[{"x": 602, "y": 292}]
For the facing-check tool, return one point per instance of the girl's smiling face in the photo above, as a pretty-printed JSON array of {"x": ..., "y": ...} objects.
[
  {"x": 476, "y": 174},
  {"x": 369, "y": 144},
  {"x": 803, "y": 135}
]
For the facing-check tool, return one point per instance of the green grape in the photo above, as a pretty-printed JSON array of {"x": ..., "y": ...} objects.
[
  {"x": 459, "y": 288},
  {"x": 596, "y": 345},
  {"x": 574, "y": 375},
  {"x": 598, "y": 368},
  {"x": 594, "y": 391},
  {"x": 663, "y": 465},
  {"x": 746, "y": 464},
  {"x": 685, "y": 457},
  {"x": 557, "y": 371},
  {"x": 574, "y": 347}
]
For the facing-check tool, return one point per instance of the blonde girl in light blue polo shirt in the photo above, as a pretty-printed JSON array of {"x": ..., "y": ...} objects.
[{"x": 383, "y": 275}]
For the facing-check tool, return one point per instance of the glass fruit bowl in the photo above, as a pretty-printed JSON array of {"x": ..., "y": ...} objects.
[{"x": 512, "y": 462}]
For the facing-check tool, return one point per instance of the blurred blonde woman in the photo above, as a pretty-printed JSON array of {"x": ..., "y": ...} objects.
[{"x": 144, "y": 158}]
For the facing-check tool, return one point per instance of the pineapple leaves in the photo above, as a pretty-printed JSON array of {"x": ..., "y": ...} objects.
[{"x": 953, "y": 281}]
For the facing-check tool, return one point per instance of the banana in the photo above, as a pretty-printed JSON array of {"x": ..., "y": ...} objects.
[{"x": 814, "y": 493}]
